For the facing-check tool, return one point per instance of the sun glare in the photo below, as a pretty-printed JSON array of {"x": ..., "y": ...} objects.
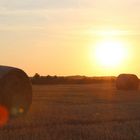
[{"x": 110, "y": 53}]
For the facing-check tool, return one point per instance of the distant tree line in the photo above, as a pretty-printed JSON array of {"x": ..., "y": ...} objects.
[{"x": 52, "y": 80}]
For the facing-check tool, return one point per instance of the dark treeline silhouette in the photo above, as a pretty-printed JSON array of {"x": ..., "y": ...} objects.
[{"x": 52, "y": 80}]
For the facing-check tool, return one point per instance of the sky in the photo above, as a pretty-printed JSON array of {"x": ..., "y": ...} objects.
[{"x": 59, "y": 37}]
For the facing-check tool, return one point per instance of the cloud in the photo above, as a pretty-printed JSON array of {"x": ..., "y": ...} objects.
[
  {"x": 32, "y": 13},
  {"x": 38, "y": 4},
  {"x": 24, "y": 20},
  {"x": 67, "y": 13}
]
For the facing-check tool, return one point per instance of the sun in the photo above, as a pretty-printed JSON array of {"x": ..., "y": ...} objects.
[{"x": 110, "y": 53}]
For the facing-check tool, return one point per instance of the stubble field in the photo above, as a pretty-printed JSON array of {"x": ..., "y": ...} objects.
[{"x": 78, "y": 112}]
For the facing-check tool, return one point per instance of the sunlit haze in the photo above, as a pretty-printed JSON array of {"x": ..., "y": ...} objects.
[{"x": 70, "y": 37}]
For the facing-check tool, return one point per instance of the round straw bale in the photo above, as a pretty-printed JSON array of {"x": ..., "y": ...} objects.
[
  {"x": 15, "y": 91},
  {"x": 127, "y": 82}
]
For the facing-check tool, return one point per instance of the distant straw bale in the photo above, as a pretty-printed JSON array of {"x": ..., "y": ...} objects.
[
  {"x": 15, "y": 91},
  {"x": 127, "y": 82}
]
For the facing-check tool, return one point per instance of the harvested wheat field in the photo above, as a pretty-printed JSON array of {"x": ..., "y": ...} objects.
[{"x": 78, "y": 112}]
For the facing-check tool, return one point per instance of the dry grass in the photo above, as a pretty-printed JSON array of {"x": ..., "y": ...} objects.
[{"x": 78, "y": 112}]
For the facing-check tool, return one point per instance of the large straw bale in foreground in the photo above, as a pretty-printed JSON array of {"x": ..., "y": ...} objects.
[
  {"x": 127, "y": 82},
  {"x": 15, "y": 90}
]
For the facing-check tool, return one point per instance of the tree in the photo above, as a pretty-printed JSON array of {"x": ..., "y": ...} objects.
[{"x": 36, "y": 76}]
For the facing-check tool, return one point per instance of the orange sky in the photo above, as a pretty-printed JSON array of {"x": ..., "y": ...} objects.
[{"x": 59, "y": 37}]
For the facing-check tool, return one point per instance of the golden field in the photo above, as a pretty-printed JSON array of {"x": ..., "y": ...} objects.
[{"x": 78, "y": 112}]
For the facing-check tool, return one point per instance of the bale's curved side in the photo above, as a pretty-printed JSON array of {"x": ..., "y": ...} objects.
[
  {"x": 127, "y": 82},
  {"x": 15, "y": 90}
]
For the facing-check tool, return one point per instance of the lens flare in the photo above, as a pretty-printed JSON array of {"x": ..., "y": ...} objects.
[
  {"x": 21, "y": 110},
  {"x": 4, "y": 116}
]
